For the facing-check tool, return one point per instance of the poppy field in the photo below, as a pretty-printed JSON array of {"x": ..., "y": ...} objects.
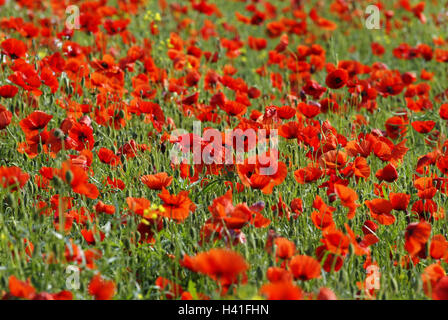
[{"x": 238, "y": 149}]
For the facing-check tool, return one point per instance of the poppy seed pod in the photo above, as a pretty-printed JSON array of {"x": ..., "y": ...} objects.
[
  {"x": 69, "y": 177},
  {"x": 58, "y": 133},
  {"x": 39, "y": 148}
]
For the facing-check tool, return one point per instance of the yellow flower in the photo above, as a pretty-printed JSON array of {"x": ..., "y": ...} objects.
[{"x": 148, "y": 15}]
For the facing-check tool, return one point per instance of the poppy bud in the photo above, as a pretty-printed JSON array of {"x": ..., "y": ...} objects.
[
  {"x": 121, "y": 114},
  {"x": 10, "y": 201},
  {"x": 57, "y": 181},
  {"x": 39, "y": 148},
  {"x": 69, "y": 176}
]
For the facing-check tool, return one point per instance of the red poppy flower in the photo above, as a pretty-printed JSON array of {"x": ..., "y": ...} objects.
[
  {"x": 5, "y": 117},
  {"x": 101, "y": 207},
  {"x": 369, "y": 227},
  {"x": 222, "y": 265},
  {"x": 387, "y": 151},
  {"x": 431, "y": 276},
  {"x": 262, "y": 172},
  {"x": 297, "y": 206},
  {"x": 416, "y": 236},
  {"x": 363, "y": 147},
  {"x": 286, "y": 112},
  {"x": 377, "y": 49},
  {"x": 21, "y": 289},
  {"x": 14, "y": 48},
  {"x": 361, "y": 247},
  {"x": 82, "y": 135},
  {"x": 177, "y": 207},
  {"x": 281, "y": 290},
  {"x": 309, "y": 110},
  {"x": 442, "y": 164},
  {"x": 157, "y": 181},
  {"x": 89, "y": 235},
  {"x": 115, "y": 183},
  {"x": 348, "y": 197},
  {"x": 425, "y": 187},
  {"x": 337, "y": 79},
  {"x": 336, "y": 242},
  {"x": 235, "y": 217},
  {"x": 331, "y": 261},
  {"x": 13, "y": 177},
  {"x": 360, "y": 168},
  {"x": 443, "y": 112},
  {"x": 380, "y": 211},
  {"x": 388, "y": 173},
  {"x": 285, "y": 248},
  {"x": 138, "y": 205},
  {"x": 117, "y": 26},
  {"x": 35, "y": 121},
  {"x": 290, "y": 130},
  {"x": 77, "y": 178},
  {"x": 108, "y": 156},
  {"x": 8, "y": 91},
  {"x": 275, "y": 274},
  {"x": 234, "y": 108},
  {"x": 171, "y": 289},
  {"x": 439, "y": 247},
  {"x": 323, "y": 220},
  {"x": 390, "y": 85},
  {"x": 256, "y": 43},
  {"x": 333, "y": 159},
  {"x": 305, "y": 267},
  {"x": 424, "y": 209},
  {"x": 396, "y": 127},
  {"x": 441, "y": 289},
  {"x": 423, "y": 126},
  {"x": 314, "y": 89},
  {"x": 308, "y": 174},
  {"x": 399, "y": 201},
  {"x": 100, "y": 288}
]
